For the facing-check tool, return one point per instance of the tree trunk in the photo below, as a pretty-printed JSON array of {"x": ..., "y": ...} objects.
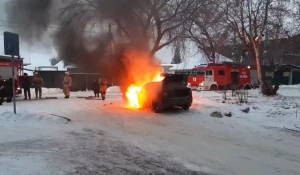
[
  {"x": 266, "y": 86},
  {"x": 258, "y": 66}
]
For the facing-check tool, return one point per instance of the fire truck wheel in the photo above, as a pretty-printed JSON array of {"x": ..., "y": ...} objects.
[
  {"x": 213, "y": 87},
  {"x": 247, "y": 87}
]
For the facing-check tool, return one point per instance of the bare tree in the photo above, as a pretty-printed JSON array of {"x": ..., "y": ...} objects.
[
  {"x": 250, "y": 20},
  {"x": 150, "y": 24},
  {"x": 208, "y": 30}
]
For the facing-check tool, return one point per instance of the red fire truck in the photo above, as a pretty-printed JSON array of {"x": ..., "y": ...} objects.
[
  {"x": 6, "y": 71},
  {"x": 219, "y": 76}
]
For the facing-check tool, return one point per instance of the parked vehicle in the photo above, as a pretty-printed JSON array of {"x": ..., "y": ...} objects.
[
  {"x": 6, "y": 74},
  {"x": 219, "y": 76},
  {"x": 170, "y": 92}
]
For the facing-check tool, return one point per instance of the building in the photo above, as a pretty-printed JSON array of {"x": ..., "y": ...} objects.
[{"x": 166, "y": 68}]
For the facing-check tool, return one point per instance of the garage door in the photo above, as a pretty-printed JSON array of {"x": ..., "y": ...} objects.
[{"x": 6, "y": 72}]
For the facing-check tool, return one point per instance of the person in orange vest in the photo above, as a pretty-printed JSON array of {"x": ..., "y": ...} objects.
[
  {"x": 103, "y": 88},
  {"x": 67, "y": 84},
  {"x": 37, "y": 83}
]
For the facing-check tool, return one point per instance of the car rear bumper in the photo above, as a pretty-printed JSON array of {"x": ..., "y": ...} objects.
[{"x": 178, "y": 101}]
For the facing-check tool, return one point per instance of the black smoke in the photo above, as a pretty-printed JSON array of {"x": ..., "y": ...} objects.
[
  {"x": 33, "y": 16},
  {"x": 83, "y": 38}
]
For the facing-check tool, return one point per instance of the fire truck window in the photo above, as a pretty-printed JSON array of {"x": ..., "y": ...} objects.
[
  {"x": 209, "y": 72},
  {"x": 193, "y": 73},
  {"x": 197, "y": 73},
  {"x": 221, "y": 73},
  {"x": 200, "y": 73}
]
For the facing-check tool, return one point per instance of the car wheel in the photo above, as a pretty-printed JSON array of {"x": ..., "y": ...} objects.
[
  {"x": 247, "y": 87},
  {"x": 156, "y": 108},
  {"x": 186, "y": 107},
  {"x": 213, "y": 87}
]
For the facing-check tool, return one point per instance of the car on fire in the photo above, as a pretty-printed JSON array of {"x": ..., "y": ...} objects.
[{"x": 172, "y": 91}]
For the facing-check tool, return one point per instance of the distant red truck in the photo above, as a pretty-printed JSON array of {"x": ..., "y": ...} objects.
[{"x": 214, "y": 76}]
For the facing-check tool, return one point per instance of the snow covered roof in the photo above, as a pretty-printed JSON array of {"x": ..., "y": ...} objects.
[
  {"x": 60, "y": 66},
  {"x": 167, "y": 65},
  {"x": 71, "y": 66}
]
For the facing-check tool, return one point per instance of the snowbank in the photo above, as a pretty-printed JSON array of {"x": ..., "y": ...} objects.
[
  {"x": 47, "y": 91},
  {"x": 290, "y": 86},
  {"x": 114, "y": 89},
  {"x": 274, "y": 111},
  {"x": 24, "y": 115}
]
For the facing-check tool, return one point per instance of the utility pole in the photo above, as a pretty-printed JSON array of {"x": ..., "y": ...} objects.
[{"x": 13, "y": 82}]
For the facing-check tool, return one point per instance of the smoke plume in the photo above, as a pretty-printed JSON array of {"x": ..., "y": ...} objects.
[
  {"x": 83, "y": 37},
  {"x": 33, "y": 15}
]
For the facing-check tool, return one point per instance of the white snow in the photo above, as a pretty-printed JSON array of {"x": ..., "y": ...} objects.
[
  {"x": 7, "y": 116},
  {"x": 106, "y": 137},
  {"x": 114, "y": 89},
  {"x": 51, "y": 90}
]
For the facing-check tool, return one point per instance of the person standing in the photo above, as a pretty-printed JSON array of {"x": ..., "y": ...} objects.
[
  {"x": 96, "y": 87},
  {"x": 37, "y": 83},
  {"x": 67, "y": 84},
  {"x": 103, "y": 89},
  {"x": 2, "y": 91},
  {"x": 9, "y": 90},
  {"x": 26, "y": 86}
]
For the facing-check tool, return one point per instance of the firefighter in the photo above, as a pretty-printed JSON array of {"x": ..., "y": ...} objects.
[
  {"x": 37, "y": 83},
  {"x": 67, "y": 84},
  {"x": 2, "y": 91},
  {"x": 96, "y": 87},
  {"x": 103, "y": 88},
  {"x": 26, "y": 86}
]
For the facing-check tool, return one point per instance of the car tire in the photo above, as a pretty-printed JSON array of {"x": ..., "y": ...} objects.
[
  {"x": 186, "y": 107},
  {"x": 213, "y": 87},
  {"x": 247, "y": 87},
  {"x": 156, "y": 108}
]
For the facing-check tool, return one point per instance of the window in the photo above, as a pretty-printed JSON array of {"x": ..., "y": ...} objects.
[
  {"x": 221, "y": 73},
  {"x": 197, "y": 73},
  {"x": 209, "y": 72},
  {"x": 269, "y": 74},
  {"x": 200, "y": 72},
  {"x": 286, "y": 74}
]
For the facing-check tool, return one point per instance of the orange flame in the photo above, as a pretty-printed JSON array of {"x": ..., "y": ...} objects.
[{"x": 132, "y": 93}]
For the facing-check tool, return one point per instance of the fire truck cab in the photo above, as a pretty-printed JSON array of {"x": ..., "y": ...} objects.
[
  {"x": 213, "y": 76},
  {"x": 6, "y": 71}
]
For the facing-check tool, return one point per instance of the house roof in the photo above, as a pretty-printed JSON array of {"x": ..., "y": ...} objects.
[
  {"x": 8, "y": 58},
  {"x": 167, "y": 65}
]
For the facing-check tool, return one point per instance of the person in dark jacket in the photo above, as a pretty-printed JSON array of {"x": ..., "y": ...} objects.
[
  {"x": 37, "y": 83},
  {"x": 96, "y": 88},
  {"x": 26, "y": 86},
  {"x": 2, "y": 91},
  {"x": 103, "y": 88},
  {"x": 9, "y": 90}
]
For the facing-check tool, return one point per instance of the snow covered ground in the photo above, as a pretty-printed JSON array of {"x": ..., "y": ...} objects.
[{"x": 104, "y": 137}]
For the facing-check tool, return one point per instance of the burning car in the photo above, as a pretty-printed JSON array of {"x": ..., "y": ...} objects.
[{"x": 170, "y": 92}]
